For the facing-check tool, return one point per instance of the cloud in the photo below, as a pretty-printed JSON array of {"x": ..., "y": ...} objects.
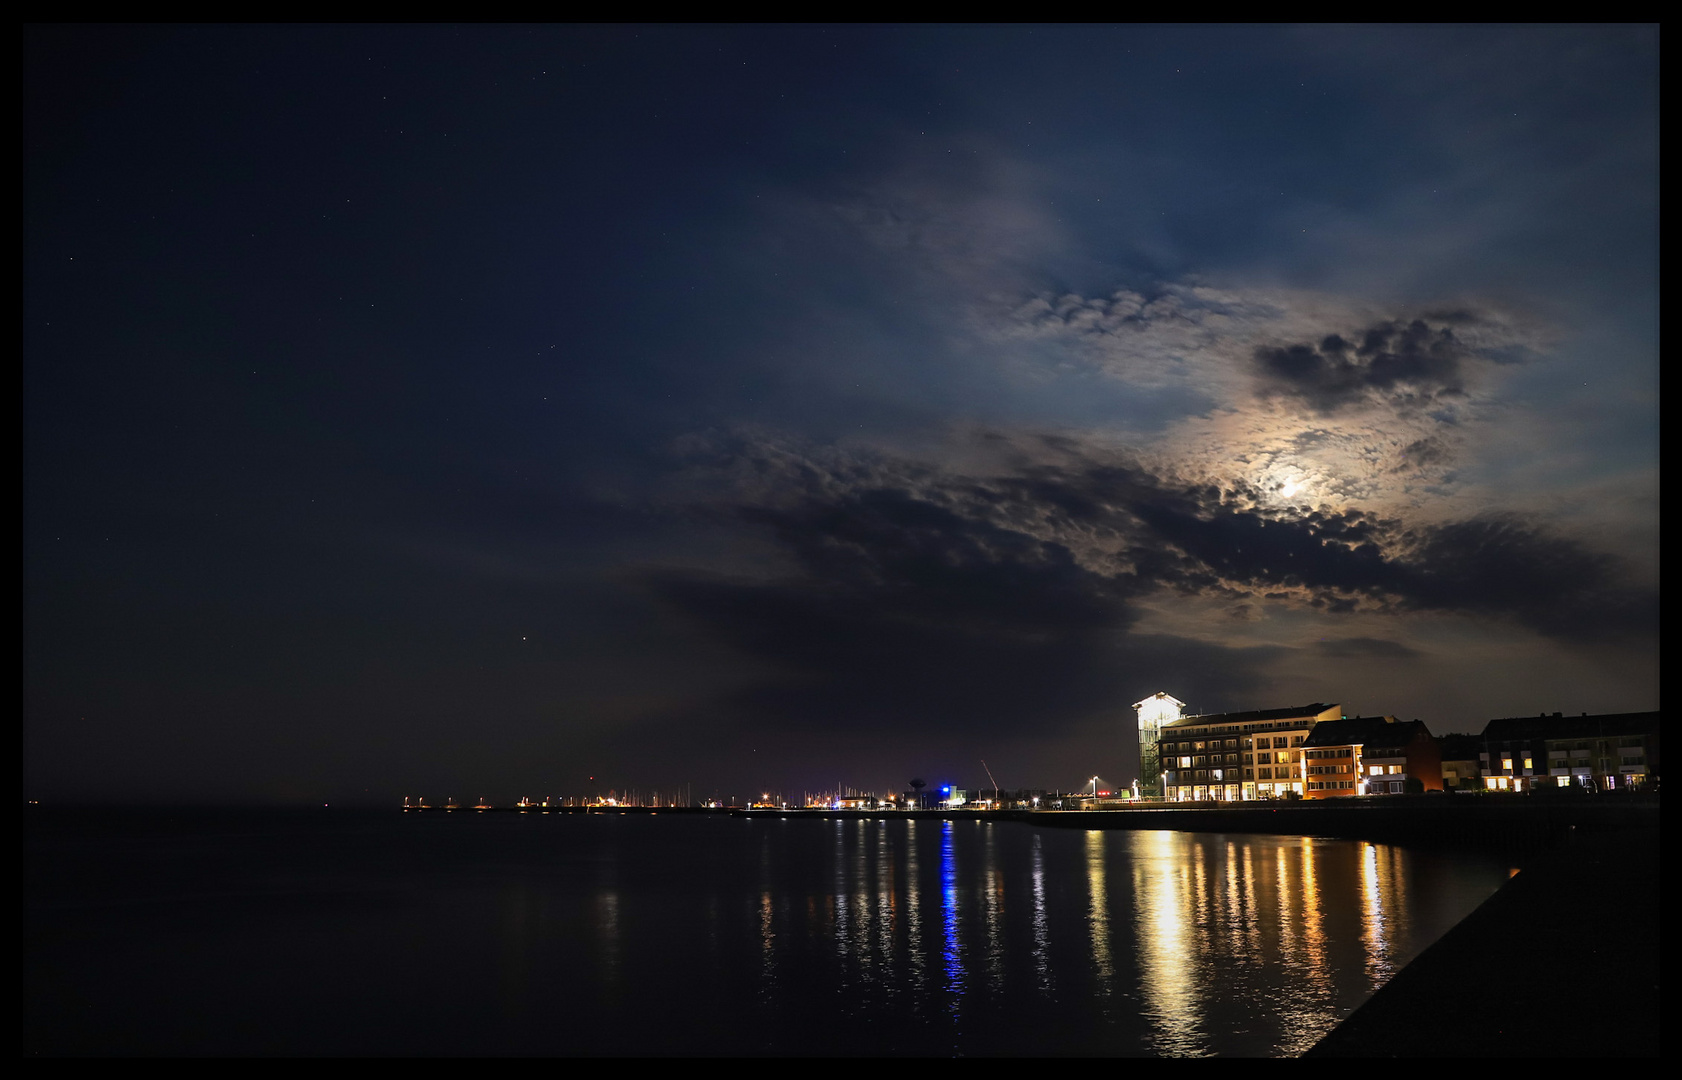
[
  {"x": 1369, "y": 401},
  {"x": 1422, "y": 454},
  {"x": 1320, "y": 397},
  {"x": 921, "y": 595},
  {"x": 1508, "y": 566},
  {"x": 1094, "y": 528},
  {"x": 1320, "y": 345},
  {"x": 1409, "y": 365},
  {"x": 915, "y": 597},
  {"x": 1233, "y": 540}
]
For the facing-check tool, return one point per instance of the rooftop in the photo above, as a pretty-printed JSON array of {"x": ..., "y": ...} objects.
[
  {"x": 1559, "y": 726},
  {"x": 1367, "y": 731},
  {"x": 1295, "y": 712}
]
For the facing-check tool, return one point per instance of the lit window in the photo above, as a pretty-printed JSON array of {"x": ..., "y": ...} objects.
[
  {"x": 1375, "y": 770},
  {"x": 1507, "y": 764}
]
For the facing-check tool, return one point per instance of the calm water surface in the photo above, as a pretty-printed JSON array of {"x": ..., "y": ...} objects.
[{"x": 378, "y": 933}]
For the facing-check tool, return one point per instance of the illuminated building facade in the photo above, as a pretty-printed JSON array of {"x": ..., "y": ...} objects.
[
  {"x": 1227, "y": 757},
  {"x": 1373, "y": 755},
  {"x": 1154, "y": 712},
  {"x": 1610, "y": 752}
]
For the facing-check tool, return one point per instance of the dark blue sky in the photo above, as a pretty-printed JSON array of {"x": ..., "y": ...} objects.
[{"x": 474, "y": 410}]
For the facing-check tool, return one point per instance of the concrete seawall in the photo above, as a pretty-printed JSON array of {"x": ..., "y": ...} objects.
[{"x": 1563, "y": 961}]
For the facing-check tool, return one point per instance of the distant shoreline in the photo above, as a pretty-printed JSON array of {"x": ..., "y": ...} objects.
[{"x": 1515, "y": 823}]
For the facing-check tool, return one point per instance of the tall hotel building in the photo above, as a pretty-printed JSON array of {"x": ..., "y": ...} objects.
[
  {"x": 1154, "y": 711},
  {"x": 1238, "y": 756}
]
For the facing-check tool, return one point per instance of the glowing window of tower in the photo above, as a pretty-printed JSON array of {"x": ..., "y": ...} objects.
[{"x": 1154, "y": 712}]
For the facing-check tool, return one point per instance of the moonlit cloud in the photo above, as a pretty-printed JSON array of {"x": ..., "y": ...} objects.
[
  {"x": 1315, "y": 396},
  {"x": 972, "y": 598}
]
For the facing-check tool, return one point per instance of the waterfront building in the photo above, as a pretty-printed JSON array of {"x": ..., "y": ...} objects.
[
  {"x": 1229, "y": 757},
  {"x": 1461, "y": 771},
  {"x": 1155, "y": 711},
  {"x": 1370, "y": 755},
  {"x": 1609, "y": 752}
]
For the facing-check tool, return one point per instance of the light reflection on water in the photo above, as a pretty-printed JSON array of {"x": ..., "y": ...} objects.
[
  {"x": 1041, "y": 949},
  {"x": 992, "y": 910},
  {"x": 711, "y": 935},
  {"x": 952, "y": 964},
  {"x": 1098, "y": 911},
  {"x": 1163, "y": 926}
]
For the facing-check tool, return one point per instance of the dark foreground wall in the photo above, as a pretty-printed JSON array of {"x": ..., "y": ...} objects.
[{"x": 1562, "y": 962}]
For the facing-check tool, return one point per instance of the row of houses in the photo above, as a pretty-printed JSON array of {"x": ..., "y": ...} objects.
[{"x": 1316, "y": 752}]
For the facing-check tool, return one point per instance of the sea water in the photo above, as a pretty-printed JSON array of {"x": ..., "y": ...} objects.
[{"x": 239, "y": 932}]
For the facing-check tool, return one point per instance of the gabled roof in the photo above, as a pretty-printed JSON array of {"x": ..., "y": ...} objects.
[
  {"x": 1368, "y": 732},
  {"x": 1304, "y": 712}
]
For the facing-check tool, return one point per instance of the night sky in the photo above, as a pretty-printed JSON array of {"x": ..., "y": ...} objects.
[{"x": 472, "y": 411}]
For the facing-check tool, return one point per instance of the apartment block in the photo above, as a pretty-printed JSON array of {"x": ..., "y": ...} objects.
[
  {"x": 1240, "y": 756},
  {"x": 1372, "y": 755},
  {"x": 1608, "y": 752}
]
